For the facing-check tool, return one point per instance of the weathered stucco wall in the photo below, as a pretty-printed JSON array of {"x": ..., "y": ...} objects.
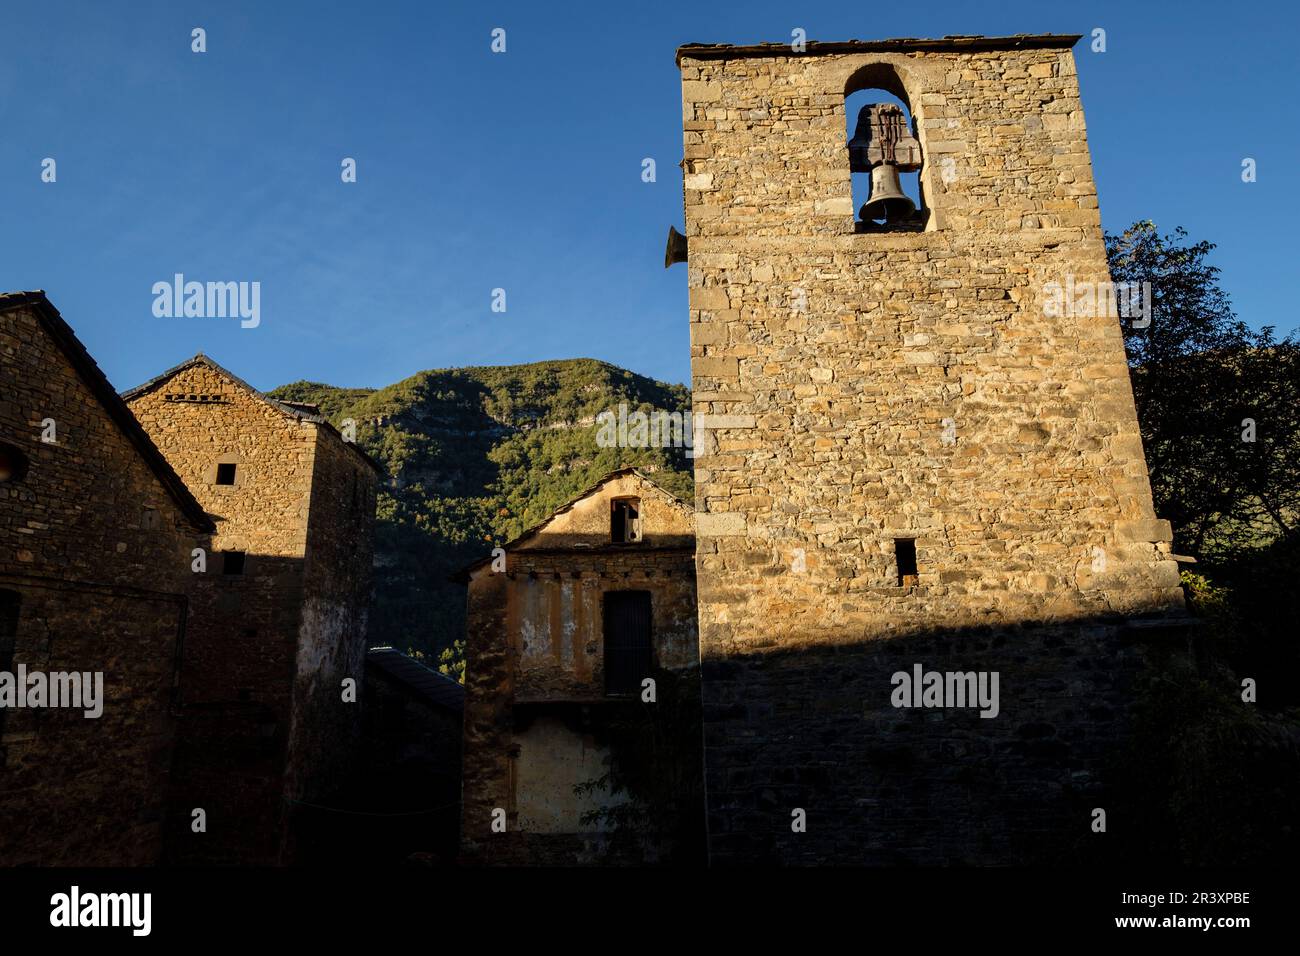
[
  {"x": 325, "y": 731},
  {"x": 552, "y": 758},
  {"x": 584, "y": 523},
  {"x": 535, "y": 690},
  {"x": 554, "y": 617}
]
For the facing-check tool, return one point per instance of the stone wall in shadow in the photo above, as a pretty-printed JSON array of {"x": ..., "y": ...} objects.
[{"x": 814, "y": 729}]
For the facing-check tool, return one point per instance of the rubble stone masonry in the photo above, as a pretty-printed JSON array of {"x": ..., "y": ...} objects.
[
  {"x": 864, "y": 387},
  {"x": 264, "y": 726},
  {"x": 94, "y": 570}
]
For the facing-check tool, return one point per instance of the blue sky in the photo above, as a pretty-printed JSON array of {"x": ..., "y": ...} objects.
[{"x": 520, "y": 170}]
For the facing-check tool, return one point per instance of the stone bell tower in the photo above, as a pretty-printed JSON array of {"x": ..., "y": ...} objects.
[{"x": 919, "y": 454}]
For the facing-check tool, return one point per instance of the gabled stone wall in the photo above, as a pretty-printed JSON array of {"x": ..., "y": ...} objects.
[
  {"x": 97, "y": 552},
  {"x": 268, "y": 649}
]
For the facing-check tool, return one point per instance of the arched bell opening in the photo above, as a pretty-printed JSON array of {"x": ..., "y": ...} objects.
[{"x": 884, "y": 153}]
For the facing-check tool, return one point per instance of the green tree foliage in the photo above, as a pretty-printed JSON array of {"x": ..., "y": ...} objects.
[
  {"x": 474, "y": 457},
  {"x": 1201, "y": 377},
  {"x": 653, "y": 769},
  {"x": 451, "y": 661},
  {"x": 1211, "y": 778}
]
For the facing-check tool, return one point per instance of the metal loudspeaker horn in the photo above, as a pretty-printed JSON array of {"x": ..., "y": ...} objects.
[{"x": 676, "y": 251}]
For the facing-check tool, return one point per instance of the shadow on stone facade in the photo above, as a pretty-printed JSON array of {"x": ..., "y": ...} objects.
[
  {"x": 260, "y": 734},
  {"x": 814, "y": 729},
  {"x": 566, "y": 760},
  {"x": 403, "y": 804}
]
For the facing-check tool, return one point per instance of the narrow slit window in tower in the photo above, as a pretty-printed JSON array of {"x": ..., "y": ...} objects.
[{"x": 905, "y": 559}]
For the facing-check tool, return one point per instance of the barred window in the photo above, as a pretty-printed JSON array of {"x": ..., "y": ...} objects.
[{"x": 629, "y": 654}]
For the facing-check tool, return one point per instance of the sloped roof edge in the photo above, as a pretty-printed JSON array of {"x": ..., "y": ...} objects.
[
  {"x": 291, "y": 409},
  {"x": 95, "y": 380},
  {"x": 464, "y": 572},
  {"x": 421, "y": 679}
]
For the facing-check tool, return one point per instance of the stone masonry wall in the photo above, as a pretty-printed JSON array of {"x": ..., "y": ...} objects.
[
  {"x": 865, "y": 387},
  {"x": 241, "y": 653},
  {"x": 98, "y": 554},
  {"x": 411, "y": 763},
  {"x": 326, "y": 731}
]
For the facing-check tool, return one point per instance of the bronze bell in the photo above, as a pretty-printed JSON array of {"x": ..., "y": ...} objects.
[
  {"x": 862, "y": 155},
  {"x": 887, "y": 200},
  {"x": 883, "y": 145}
]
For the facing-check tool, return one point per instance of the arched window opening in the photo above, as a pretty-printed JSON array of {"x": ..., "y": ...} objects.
[
  {"x": 885, "y": 162},
  {"x": 13, "y": 463}
]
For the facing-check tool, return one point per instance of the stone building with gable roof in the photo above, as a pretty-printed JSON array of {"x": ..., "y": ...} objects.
[
  {"x": 565, "y": 625},
  {"x": 279, "y": 616},
  {"x": 96, "y": 535}
]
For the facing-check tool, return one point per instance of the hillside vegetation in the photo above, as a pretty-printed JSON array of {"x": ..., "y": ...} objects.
[{"x": 473, "y": 457}]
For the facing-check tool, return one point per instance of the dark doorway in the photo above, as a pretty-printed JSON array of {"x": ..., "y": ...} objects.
[
  {"x": 628, "y": 652},
  {"x": 10, "y": 601}
]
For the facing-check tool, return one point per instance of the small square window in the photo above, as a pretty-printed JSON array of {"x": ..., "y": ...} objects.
[
  {"x": 232, "y": 562},
  {"x": 226, "y": 474}
]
